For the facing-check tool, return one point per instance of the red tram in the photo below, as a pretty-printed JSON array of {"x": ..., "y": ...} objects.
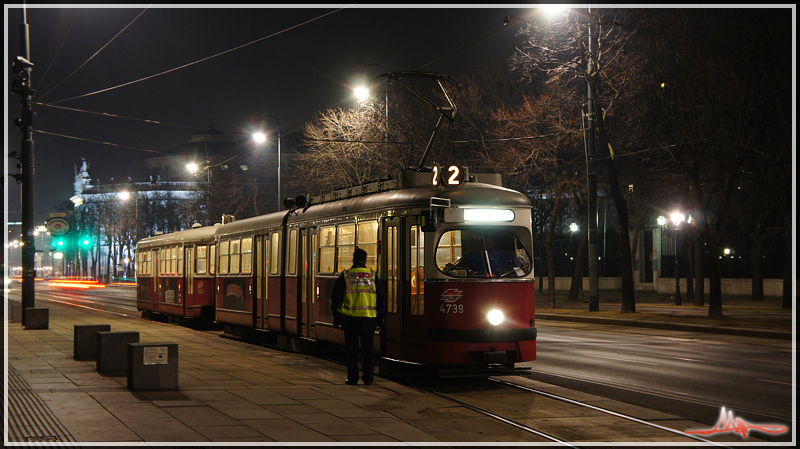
[
  {"x": 175, "y": 273},
  {"x": 454, "y": 256}
]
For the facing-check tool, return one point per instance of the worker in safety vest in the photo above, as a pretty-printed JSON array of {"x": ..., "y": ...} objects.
[{"x": 358, "y": 303}]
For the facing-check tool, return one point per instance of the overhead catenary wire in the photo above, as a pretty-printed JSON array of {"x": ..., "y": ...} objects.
[
  {"x": 199, "y": 60},
  {"x": 96, "y": 53},
  {"x": 54, "y": 104}
]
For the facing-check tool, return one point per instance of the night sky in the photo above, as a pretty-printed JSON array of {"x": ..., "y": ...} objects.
[{"x": 295, "y": 71}]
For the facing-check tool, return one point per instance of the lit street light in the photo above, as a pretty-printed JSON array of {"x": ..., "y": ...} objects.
[
  {"x": 362, "y": 93},
  {"x": 676, "y": 218},
  {"x": 260, "y": 137}
]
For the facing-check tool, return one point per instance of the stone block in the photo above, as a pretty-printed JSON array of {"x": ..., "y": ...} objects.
[
  {"x": 152, "y": 366},
  {"x": 37, "y": 318},
  {"x": 84, "y": 340},
  {"x": 112, "y": 350},
  {"x": 16, "y": 311}
]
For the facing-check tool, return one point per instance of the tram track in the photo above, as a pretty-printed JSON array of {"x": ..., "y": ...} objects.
[{"x": 473, "y": 397}]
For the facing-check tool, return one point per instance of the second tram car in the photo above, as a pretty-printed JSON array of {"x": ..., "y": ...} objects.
[
  {"x": 453, "y": 254},
  {"x": 175, "y": 273}
]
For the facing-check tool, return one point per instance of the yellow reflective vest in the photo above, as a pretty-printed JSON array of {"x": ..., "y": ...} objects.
[{"x": 360, "y": 296}]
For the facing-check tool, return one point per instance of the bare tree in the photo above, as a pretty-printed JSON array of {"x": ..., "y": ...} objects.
[
  {"x": 722, "y": 114},
  {"x": 562, "y": 52}
]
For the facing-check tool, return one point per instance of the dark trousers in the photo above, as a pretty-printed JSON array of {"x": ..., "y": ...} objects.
[{"x": 352, "y": 337}]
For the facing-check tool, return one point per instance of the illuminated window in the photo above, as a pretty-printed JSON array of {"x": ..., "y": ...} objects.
[
  {"x": 275, "y": 252},
  {"x": 247, "y": 255},
  {"x": 417, "y": 238},
  {"x": 368, "y": 241},
  {"x": 292, "y": 252},
  {"x": 224, "y": 248},
  {"x": 201, "y": 259},
  {"x": 345, "y": 244},
  {"x": 235, "y": 256},
  {"x": 327, "y": 249}
]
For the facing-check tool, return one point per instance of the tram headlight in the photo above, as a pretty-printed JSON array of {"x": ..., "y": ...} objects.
[{"x": 495, "y": 317}]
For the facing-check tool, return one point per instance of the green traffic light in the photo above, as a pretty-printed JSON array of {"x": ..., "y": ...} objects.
[{"x": 85, "y": 242}]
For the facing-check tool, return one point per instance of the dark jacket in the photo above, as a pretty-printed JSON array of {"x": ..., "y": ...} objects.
[{"x": 359, "y": 323}]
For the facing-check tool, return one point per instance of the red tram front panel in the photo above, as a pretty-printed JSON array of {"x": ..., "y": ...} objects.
[{"x": 459, "y": 327}]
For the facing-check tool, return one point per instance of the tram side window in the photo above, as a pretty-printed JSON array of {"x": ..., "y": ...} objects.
[
  {"x": 173, "y": 260},
  {"x": 233, "y": 267},
  {"x": 143, "y": 260},
  {"x": 367, "y": 239},
  {"x": 274, "y": 250},
  {"x": 327, "y": 249},
  {"x": 247, "y": 255},
  {"x": 179, "y": 252},
  {"x": 212, "y": 259},
  {"x": 345, "y": 244},
  {"x": 201, "y": 259},
  {"x": 292, "y": 253},
  {"x": 391, "y": 268},
  {"x": 224, "y": 248},
  {"x": 168, "y": 261},
  {"x": 417, "y": 270},
  {"x": 449, "y": 248}
]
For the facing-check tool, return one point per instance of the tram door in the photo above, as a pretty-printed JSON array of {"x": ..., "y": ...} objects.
[
  {"x": 188, "y": 302},
  {"x": 157, "y": 278},
  {"x": 262, "y": 264},
  {"x": 391, "y": 274},
  {"x": 414, "y": 299},
  {"x": 308, "y": 282}
]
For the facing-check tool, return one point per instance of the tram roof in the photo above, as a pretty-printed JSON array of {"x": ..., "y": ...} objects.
[
  {"x": 471, "y": 194},
  {"x": 198, "y": 235}
]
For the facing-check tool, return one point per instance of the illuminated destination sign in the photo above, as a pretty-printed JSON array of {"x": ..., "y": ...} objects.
[{"x": 450, "y": 176}]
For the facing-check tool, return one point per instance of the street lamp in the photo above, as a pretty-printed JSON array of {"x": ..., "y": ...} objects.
[
  {"x": 362, "y": 92},
  {"x": 260, "y": 137},
  {"x": 676, "y": 218}
]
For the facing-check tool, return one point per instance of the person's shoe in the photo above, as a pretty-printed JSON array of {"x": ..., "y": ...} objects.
[{"x": 348, "y": 382}]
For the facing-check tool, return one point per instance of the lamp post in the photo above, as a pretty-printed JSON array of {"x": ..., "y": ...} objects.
[
  {"x": 591, "y": 170},
  {"x": 362, "y": 92},
  {"x": 260, "y": 137},
  {"x": 676, "y": 218}
]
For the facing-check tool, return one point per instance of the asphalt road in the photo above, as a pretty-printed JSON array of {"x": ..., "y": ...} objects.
[{"x": 690, "y": 374}]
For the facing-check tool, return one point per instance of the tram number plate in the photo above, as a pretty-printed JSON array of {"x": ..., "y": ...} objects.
[{"x": 452, "y": 308}]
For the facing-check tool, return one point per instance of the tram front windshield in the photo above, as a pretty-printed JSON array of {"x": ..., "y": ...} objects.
[{"x": 482, "y": 253}]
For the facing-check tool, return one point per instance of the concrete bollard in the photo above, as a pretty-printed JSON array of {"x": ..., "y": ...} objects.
[
  {"x": 16, "y": 311},
  {"x": 112, "y": 350},
  {"x": 37, "y": 318},
  {"x": 84, "y": 340},
  {"x": 152, "y": 366}
]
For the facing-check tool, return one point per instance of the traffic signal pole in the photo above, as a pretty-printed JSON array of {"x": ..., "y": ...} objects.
[{"x": 22, "y": 87}]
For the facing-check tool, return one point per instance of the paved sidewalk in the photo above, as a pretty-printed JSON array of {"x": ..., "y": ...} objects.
[{"x": 229, "y": 391}]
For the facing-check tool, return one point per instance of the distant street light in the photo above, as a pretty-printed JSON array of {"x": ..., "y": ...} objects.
[
  {"x": 676, "y": 218},
  {"x": 260, "y": 137}
]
